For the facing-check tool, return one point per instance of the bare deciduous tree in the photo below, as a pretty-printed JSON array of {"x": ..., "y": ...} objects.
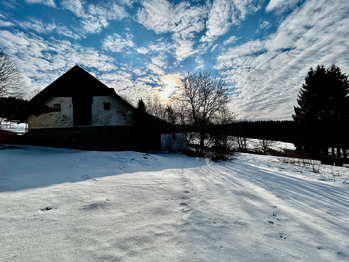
[
  {"x": 264, "y": 145},
  {"x": 241, "y": 142},
  {"x": 11, "y": 81},
  {"x": 34, "y": 92},
  {"x": 156, "y": 107},
  {"x": 223, "y": 129},
  {"x": 206, "y": 97}
]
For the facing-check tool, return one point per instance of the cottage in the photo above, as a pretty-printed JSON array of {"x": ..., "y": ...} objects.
[{"x": 77, "y": 110}]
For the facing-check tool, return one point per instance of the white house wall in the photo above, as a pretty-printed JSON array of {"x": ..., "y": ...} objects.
[
  {"x": 62, "y": 119},
  {"x": 118, "y": 115}
]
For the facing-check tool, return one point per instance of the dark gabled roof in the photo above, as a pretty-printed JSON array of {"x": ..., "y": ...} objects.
[{"x": 75, "y": 82}]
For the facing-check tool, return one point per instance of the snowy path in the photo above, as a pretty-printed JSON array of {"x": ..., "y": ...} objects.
[{"x": 67, "y": 205}]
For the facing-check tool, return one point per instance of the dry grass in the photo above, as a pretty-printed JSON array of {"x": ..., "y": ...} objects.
[{"x": 326, "y": 172}]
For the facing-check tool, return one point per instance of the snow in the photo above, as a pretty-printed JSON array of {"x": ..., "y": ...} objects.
[
  {"x": 70, "y": 205},
  {"x": 13, "y": 126},
  {"x": 275, "y": 145}
]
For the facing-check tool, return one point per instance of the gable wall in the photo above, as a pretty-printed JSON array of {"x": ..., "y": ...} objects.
[
  {"x": 45, "y": 117},
  {"x": 118, "y": 115}
]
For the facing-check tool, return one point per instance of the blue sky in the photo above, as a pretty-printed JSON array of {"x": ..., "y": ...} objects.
[{"x": 262, "y": 49}]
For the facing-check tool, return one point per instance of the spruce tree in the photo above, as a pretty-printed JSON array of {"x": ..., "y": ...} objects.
[
  {"x": 141, "y": 105},
  {"x": 323, "y": 110}
]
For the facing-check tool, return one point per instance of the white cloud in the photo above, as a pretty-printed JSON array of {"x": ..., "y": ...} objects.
[
  {"x": 230, "y": 40},
  {"x": 95, "y": 17},
  {"x": 6, "y": 24},
  {"x": 267, "y": 74},
  {"x": 214, "y": 47},
  {"x": 183, "y": 47},
  {"x": 156, "y": 15},
  {"x": 116, "y": 43},
  {"x": 139, "y": 71},
  {"x": 265, "y": 24},
  {"x": 281, "y": 5},
  {"x": 155, "y": 69},
  {"x": 200, "y": 63},
  {"x": 225, "y": 13},
  {"x": 159, "y": 61},
  {"x": 44, "y": 28},
  {"x": 62, "y": 30},
  {"x": 147, "y": 79},
  {"x": 126, "y": 87},
  {"x": 182, "y": 20},
  {"x": 142, "y": 50},
  {"x": 42, "y": 61},
  {"x": 34, "y": 24},
  {"x": 75, "y": 6},
  {"x": 50, "y": 3},
  {"x": 161, "y": 46}
]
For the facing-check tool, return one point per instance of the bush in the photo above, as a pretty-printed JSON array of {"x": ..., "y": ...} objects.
[
  {"x": 189, "y": 152},
  {"x": 221, "y": 157}
]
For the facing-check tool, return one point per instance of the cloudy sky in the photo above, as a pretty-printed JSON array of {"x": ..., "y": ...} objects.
[{"x": 261, "y": 48}]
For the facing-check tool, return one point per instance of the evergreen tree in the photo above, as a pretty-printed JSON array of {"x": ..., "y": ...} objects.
[
  {"x": 322, "y": 110},
  {"x": 141, "y": 105}
]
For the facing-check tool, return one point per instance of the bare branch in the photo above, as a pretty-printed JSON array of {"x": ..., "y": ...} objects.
[{"x": 11, "y": 81}]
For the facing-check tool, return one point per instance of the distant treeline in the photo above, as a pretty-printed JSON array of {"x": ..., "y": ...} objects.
[
  {"x": 285, "y": 131},
  {"x": 10, "y": 105}
]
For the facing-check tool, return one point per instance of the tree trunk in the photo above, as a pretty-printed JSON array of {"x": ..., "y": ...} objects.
[
  {"x": 345, "y": 153},
  {"x": 338, "y": 152},
  {"x": 333, "y": 152},
  {"x": 325, "y": 151},
  {"x": 202, "y": 140}
]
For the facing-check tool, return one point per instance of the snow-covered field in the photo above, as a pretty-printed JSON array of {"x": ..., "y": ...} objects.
[{"x": 69, "y": 205}]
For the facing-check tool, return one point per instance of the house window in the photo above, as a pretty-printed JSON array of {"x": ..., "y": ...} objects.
[
  {"x": 57, "y": 107},
  {"x": 106, "y": 105}
]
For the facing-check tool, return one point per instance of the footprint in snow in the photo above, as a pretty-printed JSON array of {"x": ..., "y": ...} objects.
[
  {"x": 185, "y": 207},
  {"x": 46, "y": 208},
  {"x": 282, "y": 236}
]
